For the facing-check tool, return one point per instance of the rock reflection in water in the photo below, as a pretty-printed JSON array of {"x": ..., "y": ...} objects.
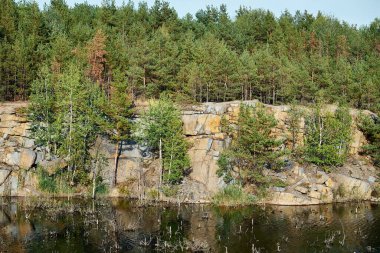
[{"x": 62, "y": 225}]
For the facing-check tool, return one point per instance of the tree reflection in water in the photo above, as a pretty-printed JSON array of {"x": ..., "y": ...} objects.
[{"x": 115, "y": 225}]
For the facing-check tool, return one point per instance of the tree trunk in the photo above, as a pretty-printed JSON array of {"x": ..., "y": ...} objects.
[
  {"x": 171, "y": 157},
  {"x": 144, "y": 78},
  {"x": 94, "y": 175},
  {"x": 293, "y": 139},
  {"x": 160, "y": 182},
  {"x": 225, "y": 89},
  {"x": 70, "y": 131},
  {"x": 117, "y": 154},
  {"x": 207, "y": 87},
  {"x": 320, "y": 130}
]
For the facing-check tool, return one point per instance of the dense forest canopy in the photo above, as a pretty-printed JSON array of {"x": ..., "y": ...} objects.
[{"x": 207, "y": 57}]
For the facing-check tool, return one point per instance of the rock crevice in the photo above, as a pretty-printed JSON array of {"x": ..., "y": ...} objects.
[{"x": 202, "y": 125}]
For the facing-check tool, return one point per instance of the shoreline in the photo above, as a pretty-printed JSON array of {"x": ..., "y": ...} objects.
[{"x": 171, "y": 202}]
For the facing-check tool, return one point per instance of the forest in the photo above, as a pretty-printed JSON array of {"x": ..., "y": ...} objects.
[
  {"x": 84, "y": 67},
  {"x": 210, "y": 56}
]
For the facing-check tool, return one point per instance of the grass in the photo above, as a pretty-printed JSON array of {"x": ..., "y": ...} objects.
[
  {"x": 278, "y": 183},
  {"x": 46, "y": 183},
  {"x": 233, "y": 195},
  {"x": 170, "y": 190},
  {"x": 340, "y": 191}
]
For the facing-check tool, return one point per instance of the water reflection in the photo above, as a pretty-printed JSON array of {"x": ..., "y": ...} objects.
[{"x": 62, "y": 225}]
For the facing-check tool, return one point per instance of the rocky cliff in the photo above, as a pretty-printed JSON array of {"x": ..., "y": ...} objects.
[{"x": 138, "y": 173}]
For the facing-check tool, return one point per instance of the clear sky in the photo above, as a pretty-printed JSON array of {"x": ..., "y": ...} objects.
[{"x": 359, "y": 12}]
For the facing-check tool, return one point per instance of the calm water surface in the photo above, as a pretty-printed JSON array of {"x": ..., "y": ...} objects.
[{"x": 62, "y": 225}]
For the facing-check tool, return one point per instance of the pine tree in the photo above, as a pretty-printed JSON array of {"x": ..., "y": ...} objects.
[
  {"x": 370, "y": 125},
  {"x": 118, "y": 113},
  {"x": 253, "y": 147},
  {"x": 96, "y": 59}
]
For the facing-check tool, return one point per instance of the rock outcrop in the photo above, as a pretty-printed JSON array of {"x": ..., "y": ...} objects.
[
  {"x": 312, "y": 186},
  {"x": 137, "y": 173}
]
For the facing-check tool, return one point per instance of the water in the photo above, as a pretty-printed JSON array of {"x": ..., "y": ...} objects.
[{"x": 61, "y": 225}]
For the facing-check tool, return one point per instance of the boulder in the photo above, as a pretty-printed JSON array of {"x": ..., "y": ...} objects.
[
  {"x": 130, "y": 151},
  {"x": 28, "y": 143},
  {"x": 321, "y": 177},
  {"x": 299, "y": 171},
  {"x": 357, "y": 141},
  {"x": 128, "y": 169},
  {"x": 330, "y": 183},
  {"x": 315, "y": 194},
  {"x": 356, "y": 188},
  {"x": 371, "y": 179},
  {"x": 12, "y": 159},
  {"x": 54, "y": 165},
  {"x": 12, "y": 117},
  {"x": 196, "y": 124},
  {"x": 326, "y": 193},
  {"x": 27, "y": 158},
  {"x": 8, "y": 124},
  {"x": 290, "y": 199},
  {"x": 22, "y": 130},
  {"x": 278, "y": 189},
  {"x": 301, "y": 189},
  {"x": 3, "y": 175}
]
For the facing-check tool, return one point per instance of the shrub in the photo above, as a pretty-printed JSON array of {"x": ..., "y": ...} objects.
[
  {"x": 160, "y": 128},
  {"x": 371, "y": 129},
  {"x": 153, "y": 193},
  {"x": 170, "y": 190},
  {"x": 101, "y": 187},
  {"x": 233, "y": 195},
  {"x": 328, "y": 136},
  {"x": 340, "y": 191},
  {"x": 45, "y": 182},
  {"x": 252, "y": 149}
]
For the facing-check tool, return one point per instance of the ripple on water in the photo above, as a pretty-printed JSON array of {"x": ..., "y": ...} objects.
[{"x": 85, "y": 226}]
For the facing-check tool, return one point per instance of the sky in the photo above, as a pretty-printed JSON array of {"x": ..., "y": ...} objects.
[{"x": 355, "y": 12}]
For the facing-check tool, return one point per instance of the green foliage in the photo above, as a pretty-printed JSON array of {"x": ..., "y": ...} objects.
[
  {"x": 101, "y": 187},
  {"x": 207, "y": 57},
  {"x": 45, "y": 182},
  {"x": 278, "y": 183},
  {"x": 294, "y": 121},
  {"x": 124, "y": 189},
  {"x": 225, "y": 126},
  {"x": 117, "y": 109},
  {"x": 233, "y": 195},
  {"x": 328, "y": 136},
  {"x": 146, "y": 52},
  {"x": 170, "y": 190},
  {"x": 252, "y": 149},
  {"x": 162, "y": 123},
  {"x": 370, "y": 125},
  {"x": 153, "y": 194},
  {"x": 66, "y": 117}
]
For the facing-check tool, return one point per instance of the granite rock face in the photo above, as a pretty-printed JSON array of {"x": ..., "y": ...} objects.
[
  {"x": 137, "y": 169},
  {"x": 314, "y": 186},
  {"x": 17, "y": 150}
]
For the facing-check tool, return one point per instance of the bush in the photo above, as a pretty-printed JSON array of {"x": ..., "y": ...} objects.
[
  {"x": 328, "y": 136},
  {"x": 371, "y": 129},
  {"x": 46, "y": 183},
  {"x": 153, "y": 193},
  {"x": 233, "y": 195},
  {"x": 252, "y": 149},
  {"x": 161, "y": 129},
  {"x": 170, "y": 190},
  {"x": 101, "y": 187}
]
